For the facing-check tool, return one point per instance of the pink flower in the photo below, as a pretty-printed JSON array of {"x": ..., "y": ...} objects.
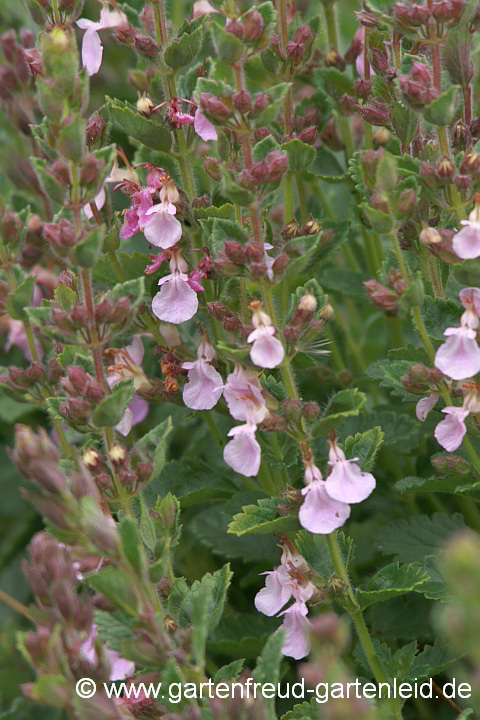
[
  {"x": 451, "y": 431},
  {"x": 360, "y": 61},
  {"x": 135, "y": 217},
  {"x": 99, "y": 202},
  {"x": 320, "y": 513},
  {"x": 203, "y": 127},
  {"x": 243, "y": 453},
  {"x": 267, "y": 351},
  {"x": 296, "y": 626},
  {"x": 205, "y": 384},
  {"x": 277, "y": 591},
  {"x": 243, "y": 394},
  {"x": 466, "y": 243},
  {"x": 346, "y": 482},
  {"x": 459, "y": 356},
  {"x": 92, "y": 48},
  {"x": 177, "y": 301},
  {"x": 127, "y": 366},
  {"x": 424, "y": 406},
  {"x": 202, "y": 7},
  {"x": 163, "y": 229},
  {"x": 470, "y": 298},
  {"x": 120, "y": 668}
]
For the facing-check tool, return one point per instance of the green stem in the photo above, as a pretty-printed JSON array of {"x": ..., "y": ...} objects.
[
  {"x": 435, "y": 277},
  {"x": 120, "y": 490},
  {"x": 371, "y": 252},
  {"x": 302, "y": 196},
  {"x": 367, "y": 128},
  {"x": 399, "y": 254},
  {"x": 359, "y": 622},
  {"x": 469, "y": 510},
  {"x": 112, "y": 256},
  {"x": 287, "y": 197},
  {"x": 346, "y": 136},
  {"x": 207, "y": 416}
]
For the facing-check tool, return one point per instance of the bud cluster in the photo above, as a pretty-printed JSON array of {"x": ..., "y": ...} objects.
[{"x": 387, "y": 297}]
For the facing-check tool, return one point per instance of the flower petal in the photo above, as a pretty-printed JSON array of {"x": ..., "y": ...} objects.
[
  {"x": 320, "y": 513},
  {"x": 276, "y": 593},
  {"x": 243, "y": 454},
  {"x": 163, "y": 229},
  {"x": 348, "y": 484},
  {"x": 176, "y": 302},
  {"x": 204, "y": 387},
  {"x": 296, "y": 628},
  {"x": 126, "y": 423},
  {"x": 451, "y": 431},
  {"x": 466, "y": 243},
  {"x": 459, "y": 356},
  {"x": 267, "y": 351},
  {"x": 424, "y": 406},
  {"x": 203, "y": 127},
  {"x": 92, "y": 51}
]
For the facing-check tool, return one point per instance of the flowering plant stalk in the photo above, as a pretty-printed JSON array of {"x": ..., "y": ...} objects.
[{"x": 240, "y": 290}]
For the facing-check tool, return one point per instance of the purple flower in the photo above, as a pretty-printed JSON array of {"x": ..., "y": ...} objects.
[
  {"x": 277, "y": 591},
  {"x": 203, "y": 127},
  {"x": 243, "y": 394},
  {"x": 243, "y": 453},
  {"x": 205, "y": 384},
  {"x": 99, "y": 202},
  {"x": 346, "y": 482},
  {"x": 176, "y": 302},
  {"x": 120, "y": 668},
  {"x": 451, "y": 431},
  {"x": 459, "y": 356},
  {"x": 17, "y": 336},
  {"x": 424, "y": 406},
  {"x": 92, "y": 48}
]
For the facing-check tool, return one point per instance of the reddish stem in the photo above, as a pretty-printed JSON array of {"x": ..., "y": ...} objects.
[{"x": 467, "y": 105}]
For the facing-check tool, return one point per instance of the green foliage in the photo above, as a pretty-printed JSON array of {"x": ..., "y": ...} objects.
[
  {"x": 184, "y": 50},
  {"x": 147, "y": 131},
  {"x": 442, "y": 110},
  {"x": 210, "y": 591},
  {"x": 110, "y": 410},
  {"x": 342, "y": 405},
  {"x": 391, "y": 581},
  {"x": 263, "y": 518}
]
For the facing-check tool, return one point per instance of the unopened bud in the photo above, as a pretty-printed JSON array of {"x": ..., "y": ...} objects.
[
  {"x": 253, "y": 25},
  {"x": 363, "y": 88},
  {"x": 235, "y": 28},
  {"x": 146, "y": 46},
  {"x": 242, "y": 101},
  {"x": 145, "y": 105},
  {"x": 214, "y": 107},
  {"x": 212, "y": 167},
  {"x": 309, "y": 135}
]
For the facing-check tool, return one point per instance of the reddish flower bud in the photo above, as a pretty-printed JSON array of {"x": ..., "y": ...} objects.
[
  {"x": 261, "y": 133},
  {"x": 303, "y": 34},
  {"x": 367, "y": 19},
  {"x": 277, "y": 164},
  {"x": 382, "y": 296},
  {"x": 445, "y": 167},
  {"x": 146, "y": 46},
  {"x": 242, "y": 101},
  {"x": 363, "y": 88},
  {"x": 309, "y": 135},
  {"x": 253, "y": 24},
  {"x": 354, "y": 50},
  {"x": 212, "y": 167},
  {"x": 379, "y": 60},
  {"x": 255, "y": 251},
  {"x": 376, "y": 114},
  {"x": 214, "y": 107},
  {"x": 280, "y": 263},
  {"x": 12, "y": 227},
  {"x": 218, "y": 310},
  {"x": 261, "y": 103},
  {"x": 232, "y": 324},
  {"x": 121, "y": 310},
  {"x": 463, "y": 182},
  {"x": 421, "y": 72},
  {"x": 235, "y": 28},
  {"x": 347, "y": 104},
  {"x": 406, "y": 202},
  {"x": 90, "y": 170},
  {"x": 235, "y": 251}
]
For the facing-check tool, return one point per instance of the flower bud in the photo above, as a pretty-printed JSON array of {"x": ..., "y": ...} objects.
[
  {"x": 121, "y": 310},
  {"x": 280, "y": 263},
  {"x": 445, "y": 167},
  {"x": 218, "y": 310},
  {"x": 463, "y": 183},
  {"x": 255, "y": 251},
  {"x": 12, "y": 227},
  {"x": 214, "y": 107},
  {"x": 242, "y": 101},
  {"x": 429, "y": 175},
  {"x": 379, "y": 60},
  {"x": 253, "y": 25},
  {"x": 145, "y": 105},
  {"x": 232, "y": 324},
  {"x": 235, "y": 251},
  {"x": 451, "y": 465},
  {"x": 146, "y": 46},
  {"x": 309, "y": 135},
  {"x": 261, "y": 133},
  {"x": 261, "y": 103},
  {"x": 363, "y": 88},
  {"x": 292, "y": 409},
  {"x": 101, "y": 530},
  {"x": 235, "y": 28},
  {"x": 376, "y": 114},
  {"x": 421, "y": 73},
  {"x": 277, "y": 163},
  {"x": 383, "y": 297},
  {"x": 406, "y": 202}
]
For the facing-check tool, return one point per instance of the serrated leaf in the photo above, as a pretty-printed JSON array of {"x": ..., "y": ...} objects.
[
  {"x": 147, "y": 131},
  {"x": 304, "y": 711},
  {"x": 116, "y": 585},
  {"x": 442, "y": 110},
  {"x": 263, "y": 518},
  {"x": 113, "y": 628},
  {"x": 111, "y": 409},
  {"x": 183, "y": 50},
  {"x": 342, "y": 405},
  {"x": 181, "y": 598},
  {"x": 404, "y": 121},
  {"x": 364, "y": 446},
  {"x": 300, "y": 155},
  {"x": 132, "y": 544},
  {"x": 391, "y": 581},
  {"x": 390, "y": 376},
  {"x": 445, "y": 484},
  {"x": 267, "y": 669},
  {"x": 88, "y": 250},
  {"x": 413, "y": 538},
  {"x": 430, "y": 662},
  {"x": 229, "y": 672},
  {"x": 315, "y": 550},
  {"x": 439, "y": 314},
  {"x": 228, "y": 46},
  {"x": 21, "y": 298}
]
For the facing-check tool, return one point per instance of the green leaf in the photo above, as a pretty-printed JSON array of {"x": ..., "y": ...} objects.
[
  {"x": 267, "y": 669},
  {"x": 228, "y": 46},
  {"x": 155, "y": 442},
  {"x": 442, "y": 110},
  {"x": 149, "y": 132},
  {"x": 183, "y": 50},
  {"x": 364, "y": 446},
  {"x": 181, "y": 598},
  {"x": 88, "y": 250},
  {"x": 113, "y": 628},
  {"x": 263, "y": 518},
  {"x": 390, "y": 376},
  {"x": 116, "y": 585},
  {"x": 201, "y": 604},
  {"x": 334, "y": 82},
  {"x": 430, "y": 662},
  {"x": 379, "y": 221},
  {"x": 111, "y": 409},
  {"x": 54, "y": 189},
  {"x": 344, "y": 281},
  {"x": 224, "y": 211},
  {"x": 391, "y": 581},
  {"x": 467, "y": 272},
  {"x": 21, "y": 298},
  {"x": 228, "y": 672},
  {"x": 300, "y": 155},
  {"x": 404, "y": 122},
  {"x": 445, "y": 484},
  {"x": 65, "y": 298},
  {"x": 439, "y": 314},
  {"x": 315, "y": 550},
  {"x": 413, "y": 539},
  {"x": 326, "y": 166},
  {"x": 132, "y": 544},
  {"x": 343, "y": 404},
  {"x": 71, "y": 139},
  {"x": 305, "y": 711},
  {"x": 147, "y": 525},
  {"x": 263, "y": 147}
]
